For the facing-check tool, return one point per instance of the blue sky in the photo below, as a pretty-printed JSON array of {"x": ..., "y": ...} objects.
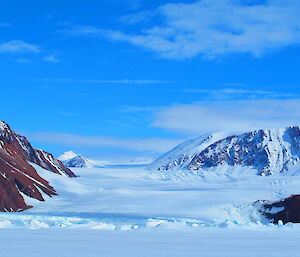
[{"x": 135, "y": 78}]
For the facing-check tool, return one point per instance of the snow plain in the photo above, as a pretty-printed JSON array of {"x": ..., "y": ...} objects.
[
  {"x": 131, "y": 211},
  {"x": 158, "y": 243}
]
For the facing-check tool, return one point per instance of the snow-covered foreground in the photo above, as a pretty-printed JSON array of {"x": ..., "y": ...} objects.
[
  {"x": 145, "y": 243},
  {"x": 130, "y": 211}
]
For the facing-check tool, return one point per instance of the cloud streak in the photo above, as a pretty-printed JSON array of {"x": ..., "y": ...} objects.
[
  {"x": 157, "y": 145},
  {"x": 18, "y": 47},
  {"x": 213, "y": 28},
  {"x": 234, "y": 93},
  {"x": 99, "y": 81},
  {"x": 51, "y": 59},
  {"x": 234, "y": 115},
  {"x": 82, "y": 30}
]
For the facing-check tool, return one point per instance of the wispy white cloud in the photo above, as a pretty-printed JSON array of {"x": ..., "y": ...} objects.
[
  {"x": 134, "y": 109},
  {"x": 82, "y": 30},
  {"x": 51, "y": 58},
  {"x": 99, "y": 81},
  {"x": 18, "y": 46},
  {"x": 137, "y": 17},
  {"x": 138, "y": 144},
  {"x": 234, "y": 115},
  {"x": 235, "y": 93},
  {"x": 212, "y": 28}
]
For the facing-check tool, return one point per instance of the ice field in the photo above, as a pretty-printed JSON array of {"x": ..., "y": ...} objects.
[{"x": 131, "y": 211}]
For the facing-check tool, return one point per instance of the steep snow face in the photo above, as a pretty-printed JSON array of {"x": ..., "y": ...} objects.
[
  {"x": 183, "y": 154},
  {"x": 73, "y": 160},
  {"x": 67, "y": 155},
  {"x": 269, "y": 151}
]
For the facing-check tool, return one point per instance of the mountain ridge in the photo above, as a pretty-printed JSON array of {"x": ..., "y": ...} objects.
[
  {"x": 19, "y": 176},
  {"x": 269, "y": 151}
]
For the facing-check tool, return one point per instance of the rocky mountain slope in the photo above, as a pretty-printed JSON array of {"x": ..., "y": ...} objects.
[
  {"x": 268, "y": 151},
  {"x": 17, "y": 174}
]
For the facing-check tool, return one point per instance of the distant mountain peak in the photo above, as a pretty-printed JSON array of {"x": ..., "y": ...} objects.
[
  {"x": 67, "y": 155},
  {"x": 74, "y": 160}
]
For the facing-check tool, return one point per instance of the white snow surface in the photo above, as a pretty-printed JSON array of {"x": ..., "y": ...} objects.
[
  {"x": 131, "y": 211},
  {"x": 136, "y": 198},
  {"x": 191, "y": 242}
]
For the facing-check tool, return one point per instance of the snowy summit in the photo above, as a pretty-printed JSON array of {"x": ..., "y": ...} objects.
[{"x": 73, "y": 160}]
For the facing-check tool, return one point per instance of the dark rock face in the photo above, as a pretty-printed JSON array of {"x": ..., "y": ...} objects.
[
  {"x": 18, "y": 176},
  {"x": 246, "y": 150},
  {"x": 269, "y": 151},
  {"x": 286, "y": 210}
]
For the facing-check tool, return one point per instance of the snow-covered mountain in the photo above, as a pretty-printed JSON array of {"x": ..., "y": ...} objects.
[
  {"x": 18, "y": 174},
  {"x": 268, "y": 151},
  {"x": 67, "y": 156},
  {"x": 73, "y": 160}
]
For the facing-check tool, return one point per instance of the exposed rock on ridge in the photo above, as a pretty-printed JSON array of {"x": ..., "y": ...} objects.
[
  {"x": 268, "y": 150},
  {"x": 18, "y": 176}
]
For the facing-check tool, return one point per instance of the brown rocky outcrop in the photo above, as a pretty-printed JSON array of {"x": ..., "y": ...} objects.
[
  {"x": 17, "y": 174},
  {"x": 287, "y": 210}
]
